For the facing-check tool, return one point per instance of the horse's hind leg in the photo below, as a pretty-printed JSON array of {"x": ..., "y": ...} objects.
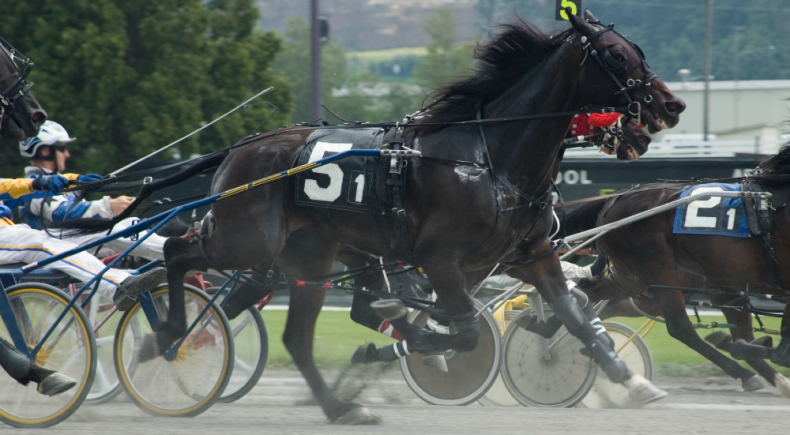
[
  {"x": 181, "y": 256},
  {"x": 304, "y": 257},
  {"x": 680, "y": 327}
]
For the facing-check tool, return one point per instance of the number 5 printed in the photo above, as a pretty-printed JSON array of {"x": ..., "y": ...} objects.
[
  {"x": 331, "y": 192},
  {"x": 575, "y": 6}
]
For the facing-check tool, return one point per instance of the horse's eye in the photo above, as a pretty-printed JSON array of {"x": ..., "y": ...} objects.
[{"x": 619, "y": 57}]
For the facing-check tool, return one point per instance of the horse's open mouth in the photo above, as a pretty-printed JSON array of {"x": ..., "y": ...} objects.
[{"x": 653, "y": 120}]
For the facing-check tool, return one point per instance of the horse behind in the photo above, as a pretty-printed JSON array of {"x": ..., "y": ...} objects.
[{"x": 648, "y": 253}]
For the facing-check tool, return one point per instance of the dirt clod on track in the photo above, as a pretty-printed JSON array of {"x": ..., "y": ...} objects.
[{"x": 280, "y": 404}]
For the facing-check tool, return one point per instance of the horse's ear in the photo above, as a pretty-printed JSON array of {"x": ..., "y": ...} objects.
[
  {"x": 580, "y": 24},
  {"x": 590, "y": 17}
]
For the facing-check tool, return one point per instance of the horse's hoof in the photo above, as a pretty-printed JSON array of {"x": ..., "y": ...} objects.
[
  {"x": 435, "y": 361},
  {"x": 56, "y": 383},
  {"x": 365, "y": 354},
  {"x": 643, "y": 391},
  {"x": 753, "y": 384},
  {"x": 720, "y": 339},
  {"x": 149, "y": 349},
  {"x": 390, "y": 309},
  {"x": 358, "y": 416},
  {"x": 782, "y": 384}
]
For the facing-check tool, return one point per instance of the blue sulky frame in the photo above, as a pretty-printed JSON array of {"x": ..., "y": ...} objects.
[{"x": 153, "y": 223}]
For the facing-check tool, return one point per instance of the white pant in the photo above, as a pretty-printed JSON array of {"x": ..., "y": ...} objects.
[
  {"x": 21, "y": 244},
  {"x": 570, "y": 270},
  {"x": 152, "y": 248}
]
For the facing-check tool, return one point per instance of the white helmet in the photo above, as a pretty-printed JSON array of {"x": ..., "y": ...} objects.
[{"x": 50, "y": 134}]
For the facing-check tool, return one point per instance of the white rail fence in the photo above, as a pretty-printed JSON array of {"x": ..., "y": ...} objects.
[{"x": 692, "y": 149}]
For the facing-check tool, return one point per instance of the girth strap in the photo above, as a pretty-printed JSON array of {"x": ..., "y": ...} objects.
[
  {"x": 760, "y": 220},
  {"x": 395, "y": 185}
]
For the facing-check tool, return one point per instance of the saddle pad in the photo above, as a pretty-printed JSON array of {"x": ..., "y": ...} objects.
[
  {"x": 713, "y": 216},
  {"x": 346, "y": 184}
]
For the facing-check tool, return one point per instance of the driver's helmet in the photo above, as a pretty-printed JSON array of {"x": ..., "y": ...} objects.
[{"x": 50, "y": 134}]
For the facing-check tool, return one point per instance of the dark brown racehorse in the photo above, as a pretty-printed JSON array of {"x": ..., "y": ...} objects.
[
  {"x": 461, "y": 220},
  {"x": 647, "y": 253}
]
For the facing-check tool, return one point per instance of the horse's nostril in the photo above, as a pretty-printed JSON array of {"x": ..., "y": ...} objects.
[
  {"x": 671, "y": 106},
  {"x": 38, "y": 116}
]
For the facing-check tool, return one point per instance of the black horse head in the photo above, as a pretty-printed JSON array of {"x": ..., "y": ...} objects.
[
  {"x": 21, "y": 116},
  {"x": 621, "y": 62}
]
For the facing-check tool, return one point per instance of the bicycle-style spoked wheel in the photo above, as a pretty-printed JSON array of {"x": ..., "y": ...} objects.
[
  {"x": 70, "y": 349},
  {"x": 469, "y": 374},
  {"x": 633, "y": 350},
  {"x": 545, "y": 372},
  {"x": 106, "y": 386},
  {"x": 195, "y": 378},
  {"x": 251, "y": 349}
]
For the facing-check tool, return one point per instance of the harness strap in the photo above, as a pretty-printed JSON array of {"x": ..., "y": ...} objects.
[
  {"x": 640, "y": 297},
  {"x": 395, "y": 182}
]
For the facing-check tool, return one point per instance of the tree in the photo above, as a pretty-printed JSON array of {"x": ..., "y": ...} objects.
[
  {"x": 446, "y": 59},
  {"x": 129, "y": 76},
  {"x": 345, "y": 92}
]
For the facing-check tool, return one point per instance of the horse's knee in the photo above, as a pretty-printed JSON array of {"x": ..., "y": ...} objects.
[{"x": 680, "y": 332}]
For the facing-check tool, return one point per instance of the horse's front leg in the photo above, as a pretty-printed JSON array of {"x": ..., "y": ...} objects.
[{"x": 546, "y": 275}]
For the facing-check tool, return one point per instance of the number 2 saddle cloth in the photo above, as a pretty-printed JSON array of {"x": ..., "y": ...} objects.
[
  {"x": 713, "y": 216},
  {"x": 347, "y": 184}
]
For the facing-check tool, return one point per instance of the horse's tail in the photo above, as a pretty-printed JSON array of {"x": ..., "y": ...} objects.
[
  {"x": 583, "y": 218},
  {"x": 96, "y": 225}
]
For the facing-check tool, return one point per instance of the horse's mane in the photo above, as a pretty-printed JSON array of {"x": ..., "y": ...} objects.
[
  {"x": 501, "y": 62},
  {"x": 778, "y": 164}
]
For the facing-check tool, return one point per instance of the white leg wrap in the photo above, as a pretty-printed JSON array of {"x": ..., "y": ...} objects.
[
  {"x": 596, "y": 324},
  {"x": 783, "y": 385}
]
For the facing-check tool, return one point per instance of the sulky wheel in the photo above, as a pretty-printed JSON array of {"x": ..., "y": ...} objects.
[
  {"x": 545, "y": 372},
  {"x": 196, "y": 378},
  {"x": 70, "y": 349},
  {"x": 636, "y": 355},
  {"x": 251, "y": 345},
  {"x": 106, "y": 386},
  {"x": 469, "y": 374}
]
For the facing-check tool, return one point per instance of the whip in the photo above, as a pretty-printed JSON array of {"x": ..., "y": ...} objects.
[{"x": 190, "y": 134}]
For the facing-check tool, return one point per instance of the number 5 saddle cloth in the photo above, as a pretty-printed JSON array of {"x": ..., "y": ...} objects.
[{"x": 346, "y": 184}]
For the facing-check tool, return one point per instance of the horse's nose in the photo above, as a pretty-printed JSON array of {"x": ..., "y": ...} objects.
[
  {"x": 37, "y": 118},
  {"x": 675, "y": 107}
]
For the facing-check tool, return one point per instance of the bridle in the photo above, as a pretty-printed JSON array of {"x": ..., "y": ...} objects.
[
  {"x": 19, "y": 87},
  {"x": 614, "y": 67}
]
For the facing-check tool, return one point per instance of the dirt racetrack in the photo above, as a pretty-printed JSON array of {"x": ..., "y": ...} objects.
[{"x": 281, "y": 404}]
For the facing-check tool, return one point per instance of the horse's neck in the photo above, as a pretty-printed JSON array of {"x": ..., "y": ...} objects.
[{"x": 525, "y": 152}]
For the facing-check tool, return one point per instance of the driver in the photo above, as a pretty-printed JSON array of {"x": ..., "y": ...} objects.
[
  {"x": 22, "y": 244},
  {"x": 48, "y": 155}
]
